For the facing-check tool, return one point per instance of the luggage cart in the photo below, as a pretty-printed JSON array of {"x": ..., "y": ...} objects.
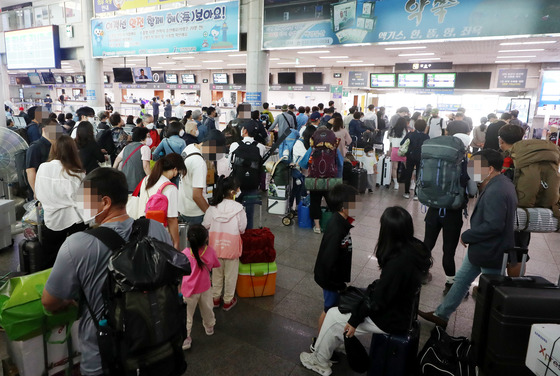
[{"x": 279, "y": 191}]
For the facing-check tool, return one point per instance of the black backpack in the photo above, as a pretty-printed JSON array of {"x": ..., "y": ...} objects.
[
  {"x": 143, "y": 321},
  {"x": 247, "y": 165},
  {"x": 265, "y": 119}
]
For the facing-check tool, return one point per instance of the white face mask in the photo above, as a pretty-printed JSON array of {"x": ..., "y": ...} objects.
[
  {"x": 182, "y": 133},
  {"x": 149, "y": 142},
  {"x": 150, "y": 126},
  {"x": 197, "y": 133},
  {"x": 90, "y": 119},
  {"x": 88, "y": 215}
]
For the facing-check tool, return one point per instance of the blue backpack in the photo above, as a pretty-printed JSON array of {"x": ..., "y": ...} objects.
[{"x": 288, "y": 145}]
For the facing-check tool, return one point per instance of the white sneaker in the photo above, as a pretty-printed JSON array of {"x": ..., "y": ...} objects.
[
  {"x": 209, "y": 331},
  {"x": 406, "y": 195},
  {"x": 311, "y": 362},
  {"x": 415, "y": 198},
  {"x": 396, "y": 187},
  {"x": 317, "y": 230},
  {"x": 187, "y": 344}
]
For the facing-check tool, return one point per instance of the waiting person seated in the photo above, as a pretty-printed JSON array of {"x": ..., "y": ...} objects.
[{"x": 403, "y": 261}]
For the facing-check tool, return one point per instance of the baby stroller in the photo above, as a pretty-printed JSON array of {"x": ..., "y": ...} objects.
[{"x": 279, "y": 191}]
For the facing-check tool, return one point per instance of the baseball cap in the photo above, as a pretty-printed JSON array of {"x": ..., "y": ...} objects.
[
  {"x": 285, "y": 107},
  {"x": 315, "y": 116},
  {"x": 250, "y": 126}
]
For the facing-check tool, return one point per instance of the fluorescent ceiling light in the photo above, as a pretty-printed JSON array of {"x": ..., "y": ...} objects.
[
  {"x": 167, "y": 63},
  {"x": 305, "y": 66},
  {"x": 212, "y": 61},
  {"x": 530, "y": 43},
  {"x": 333, "y": 57},
  {"x": 135, "y": 59},
  {"x": 236, "y": 55},
  {"x": 361, "y": 65},
  {"x": 290, "y": 63},
  {"x": 128, "y": 65},
  {"x": 350, "y": 61},
  {"x": 190, "y": 66},
  {"x": 419, "y": 54},
  {"x": 236, "y": 65},
  {"x": 313, "y": 52},
  {"x": 511, "y": 61},
  {"x": 404, "y": 48},
  {"x": 529, "y": 50},
  {"x": 274, "y": 59},
  {"x": 514, "y": 57},
  {"x": 182, "y": 57},
  {"x": 425, "y": 59},
  {"x": 156, "y": 67}
]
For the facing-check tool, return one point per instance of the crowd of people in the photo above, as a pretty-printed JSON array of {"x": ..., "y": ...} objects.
[{"x": 108, "y": 173}]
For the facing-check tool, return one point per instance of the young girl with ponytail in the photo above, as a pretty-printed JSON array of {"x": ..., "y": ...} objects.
[
  {"x": 196, "y": 286},
  {"x": 226, "y": 220}
]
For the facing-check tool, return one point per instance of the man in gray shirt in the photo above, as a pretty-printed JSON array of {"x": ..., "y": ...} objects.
[
  {"x": 83, "y": 259},
  {"x": 283, "y": 121}
]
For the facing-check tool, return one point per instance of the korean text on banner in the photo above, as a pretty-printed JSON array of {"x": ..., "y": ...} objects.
[{"x": 104, "y": 6}]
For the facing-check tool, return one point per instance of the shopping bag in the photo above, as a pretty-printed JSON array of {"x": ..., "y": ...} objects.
[{"x": 21, "y": 310}]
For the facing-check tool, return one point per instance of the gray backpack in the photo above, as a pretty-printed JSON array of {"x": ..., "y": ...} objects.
[{"x": 440, "y": 173}]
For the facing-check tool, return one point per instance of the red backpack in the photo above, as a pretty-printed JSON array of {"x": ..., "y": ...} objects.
[
  {"x": 323, "y": 163},
  {"x": 156, "y": 207}
]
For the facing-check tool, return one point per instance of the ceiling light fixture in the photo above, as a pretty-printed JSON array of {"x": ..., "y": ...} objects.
[
  {"x": 529, "y": 50},
  {"x": 425, "y": 59},
  {"x": 191, "y": 66},
  {"x": 313, "y": 52},
  {"x": 274, "y": 59},
  {"x": 511, "y": 61},
  {"x": 156, "y": 68},
  {"x": 237, "y": 65},
  {"x": 135, "y": 59},
  {"x": 212, "y": 61},
  {"x": 182, "y": 57},
  {"x": 418, "y": 54},
  {"x": 305, "y": 66},
  {"x": 168, "y": 63},
  {"x": 128, "y": 65},
  {"x": 361, "y": 65},
  {"x": 237, "y": 55},
  {"x": 333, "y": 57},
  {"x": 514, "y": 57},
  {"x": 350, "y": 61},
  {"x": 286, "y": 63},
  {"x": 405, "y": 48},
  {"x": 526, "y": 43}
]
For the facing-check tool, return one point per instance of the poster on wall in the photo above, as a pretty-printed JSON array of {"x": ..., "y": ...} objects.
[
  {"x": 550, "y": 90},
  {"x": 512, "y": 78},
  {"x": 522, "y": 105},
  {"x": 104, "y": 6},
  {"x": 296, "y": 23},
  {"x": 212, "y": 27}
]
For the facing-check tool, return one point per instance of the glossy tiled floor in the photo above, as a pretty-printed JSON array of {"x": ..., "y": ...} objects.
[{"x": 264, "y": 336}]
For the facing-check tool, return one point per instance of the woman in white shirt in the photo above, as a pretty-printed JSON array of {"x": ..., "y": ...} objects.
[
  {"x": 396, "y": 135},
  {"x": 56, "y": 187},
  {"x": 164, "y": 170}
]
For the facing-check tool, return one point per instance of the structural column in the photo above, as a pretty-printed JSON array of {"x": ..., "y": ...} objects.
[
  {"x": 4, "y": 83},
  {"x": 95, "y": 91},
  {"x": 257, "y": 59}
]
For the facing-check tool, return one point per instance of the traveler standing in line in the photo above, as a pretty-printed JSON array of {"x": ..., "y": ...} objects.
[
  {"x": 143, "y": 111},
  {"x": 401, "y": 112},
  {"x": 490, "y": 234},
  {"x": 436, "y": 124},
  {"x": 370, "y": 118},
  {"x": 265, "y": 111},
  {"x": 34, "y": 127},
  {"x": 155, "y": 107},
  {"x": 413, "y": 119},
  {"x": 56, "y": 187},
  {"x": 180, "y": 110},
  {"x": 211, "y": 118},
  {"x": 348, "y": 118},
  {"x": 103, "y": 117},
  {"x": 225, "y": 220},
  {"x": 342, "y": 134},
  {"x": 38, "y": 153},
  {"x": 173, "y": 143},
  {"x": 458, "y": 125},
  {"x": 135, "y": 158},
  {"x": 403, "y": 261},
  {"x": 479, "y": 135},
  {"x": 396, "y": 135},
  {"x": 83, "y": 114},
  {"x": 493, "y": 130},
  {"x": 413, "y": 154},
  {"x": 191, "y": 133},
  {"x": 355, "y": 128},
  {"x": 301, "y": 118},
  {"x": 196, "y": 287},
  {"x": 465, "y": 118},
  {"x": 283, "y": 121},
  {"x": 48, "y": 102},
  {"x": 89, "y": 151},
  {"x": 167, "y": 111}
]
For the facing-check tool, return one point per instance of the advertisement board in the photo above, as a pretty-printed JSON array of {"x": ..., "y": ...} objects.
[
  {"x": 211, "y": 27},
  {"x": 550, "y": 90},
  {"x": 104, "y": 6},
  {"x": 296, "y": 23},
  {"x": 512, "y": 78}
]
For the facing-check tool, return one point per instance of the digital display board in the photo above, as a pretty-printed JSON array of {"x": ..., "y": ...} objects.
[
  {"x": 220, "y": 78},
  {"x": 411, "y": 80},
  {"x": 171, "y": 78},
  {"x": 58, "y": 79},
  {"x": 69, "y": 79},
  {"x": 382, "y": 80},
  {"x": 80, "y": 79},
  {"x": 34, "y": 78},
  {"x": 143, "y": 74},
  {"x": 48, "y": 78},
  {"x": 188, "y": 78},
  {"x": 33, "y": 48},
  {"x": 440, "y": 80}
]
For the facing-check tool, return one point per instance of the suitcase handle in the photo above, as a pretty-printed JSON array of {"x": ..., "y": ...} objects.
[{"x": 523, "y": 260}]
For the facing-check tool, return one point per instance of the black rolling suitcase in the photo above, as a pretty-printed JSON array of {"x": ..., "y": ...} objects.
[
  {"x": 505, "y": 310},
  {"x": 31, "y": 252},
  {"x": 358, "y": 179}
]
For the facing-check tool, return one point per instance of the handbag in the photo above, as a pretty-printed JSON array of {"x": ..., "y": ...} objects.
[
  {"x": 133, "y": 203},
  {"x": 403, "y": 149},
  {"x": 351, "y": 298}
]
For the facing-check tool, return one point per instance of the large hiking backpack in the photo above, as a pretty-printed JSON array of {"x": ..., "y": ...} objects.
[
  {"x": 247, "y": 165},
  {"x": 287, "y": 146},
  {"x": 265, "y": 119},
  {"x": 143, "y": 320},
  {"x": 120, "y": 139},
  {"x": 323, "y": 163},
  {"x": 440, "y": 173}
]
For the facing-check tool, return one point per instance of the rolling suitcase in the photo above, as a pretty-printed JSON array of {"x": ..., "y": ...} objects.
[
  {"x": 383, "y": 171},
  {"x": 31, "y": 253},
  {"x": 358, "y": 179},
  {"x": 505, "y": 310}
]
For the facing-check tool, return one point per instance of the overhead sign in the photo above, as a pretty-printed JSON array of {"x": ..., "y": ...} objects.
[
  {"x": 422, "y": 66},
  {"x": 294, "y": 23},
  {"x": 254, "y": 97},
  {"x": 103, "y": 6},
  {"x": 324, "y": 88},
  {"x": 512, "y": 78},
  {"x": 212, "y": 27},
  {"x": 358, "y": 79}
]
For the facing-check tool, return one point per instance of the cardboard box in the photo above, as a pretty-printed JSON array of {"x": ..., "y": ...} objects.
[
  {"x": 543, "y": 353},
  {"x": 28, "y": 355}
]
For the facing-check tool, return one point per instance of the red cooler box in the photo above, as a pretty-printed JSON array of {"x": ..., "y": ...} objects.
[{"x": 258, "y": 279}]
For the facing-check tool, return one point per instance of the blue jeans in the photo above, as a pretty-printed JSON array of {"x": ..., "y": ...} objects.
[
  {"x": 249, "y": 199},
  {"x": 465, "y": 276},
  {"x": 191, "y": 220}
]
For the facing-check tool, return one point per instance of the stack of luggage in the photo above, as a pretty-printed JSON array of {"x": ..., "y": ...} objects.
[{"x": 257, "y": 264}]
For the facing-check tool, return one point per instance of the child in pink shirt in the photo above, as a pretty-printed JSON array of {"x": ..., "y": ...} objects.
[{"x": 196, "y": 286}]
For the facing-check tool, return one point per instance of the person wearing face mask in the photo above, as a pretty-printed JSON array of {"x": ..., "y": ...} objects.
[
  {"x": 81, "y": 264},
  {"x": 83, "y": 114},
  {"x": 154, "y": 133},
  {"x": 490, "y": 235},
  {"x": 191, "y": 133},
  {"x": 225, "y": 220},
  {"x": 174, "y": 142},
  {"x": 164, "y": 172},
  {"x": 135, "y": 158}
]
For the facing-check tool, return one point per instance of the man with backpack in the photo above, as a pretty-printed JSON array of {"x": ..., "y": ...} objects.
[
  {"x": 80, "y": 273},
  {"x": 266, "y": 112},
  {"x": 245, "y": 159},
  {"x": 283, "y": 121},
  {"x": 436, "y": 125},
  {"x": 84, "y": 114},
  {"x": 34, "y": 127}
]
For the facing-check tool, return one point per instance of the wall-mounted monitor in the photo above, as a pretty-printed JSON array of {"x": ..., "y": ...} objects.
[
  {"x": 34, "y": 48},
  {"x": 440, "y": 80},
  {"x": 220, "y": 78},
  {"x": 382, "y": 80},
  {"x": 239, "y": 78},
  {"x": 312, "y": 78},
  {"x": 411, "y": 80},
  {"x": 69, "y": 79},
  {"x": 23, "y": 80},
  {"x": 58, "y": 78},
  {"x": 80, "y": 79},
  {"x": 123, "y": 75},
  {"x": 188, "y": 78},
  {"x": 473, "y": 80},
  {"x": 34, "y": 78},
  {"x": 171, "y": 78},
  {"x": 143, "y": 74},
  {"x": 105, "y": 79},
  {"x": 48, "y": 78},
  {"x": 288, "y": 78}
]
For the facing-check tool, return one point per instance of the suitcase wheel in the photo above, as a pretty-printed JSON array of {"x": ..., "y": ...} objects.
[
  {"x": 287, "y": 221},
  {"x": 290, "y": 215}
]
